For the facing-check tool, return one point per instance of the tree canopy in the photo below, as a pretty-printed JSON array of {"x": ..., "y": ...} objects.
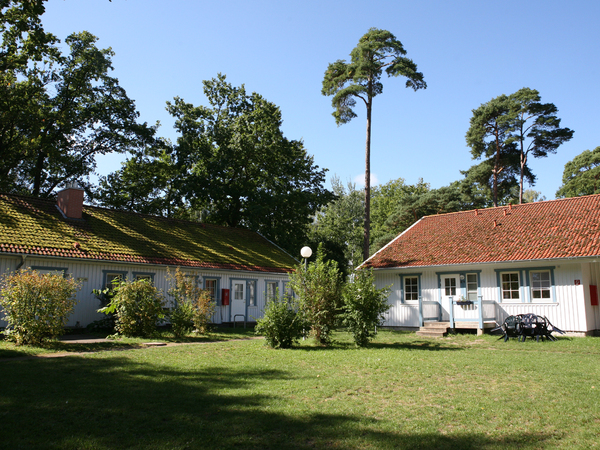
[
  {"x": 488, "y": 137},
  {"x": 581, "y": 175},
  {"x": 231, "y": 165},
  {"x": 60, "y": 113},
  {"x": 377, "y": 50},
  {"x": 536, "y": 129},
  {"x": 504, "y": 132}
]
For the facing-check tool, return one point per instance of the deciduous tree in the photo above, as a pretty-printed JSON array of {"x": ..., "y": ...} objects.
[
  {"x": 235, "y": 165},
  {"x": 318, "y": 288},
  {"x": 581, "y": 175},
  {"x": 377, "y": 50},
  {"x": 338, "y": 226},
  {"x": 61, "y": 114}
]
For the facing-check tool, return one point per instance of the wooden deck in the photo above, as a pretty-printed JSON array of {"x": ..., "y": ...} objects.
[{"x": 440, "y": 329}]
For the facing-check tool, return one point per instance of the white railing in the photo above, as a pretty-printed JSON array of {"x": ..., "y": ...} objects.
[{"x": 472, "y": 311}]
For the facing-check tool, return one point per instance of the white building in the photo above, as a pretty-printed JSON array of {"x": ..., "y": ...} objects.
[
  {"x": 94, "y": 245},
  {"x": 472, "y": 269}
]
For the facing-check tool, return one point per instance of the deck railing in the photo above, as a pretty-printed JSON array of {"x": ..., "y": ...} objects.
[
  {"x": 485, "y": 310},
  {"x": 429, "y": 310}
]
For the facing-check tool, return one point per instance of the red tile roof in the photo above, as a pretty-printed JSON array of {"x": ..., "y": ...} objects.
[
  {"x": 36, "y": 227},
  {"x": 565, "y": 228}
]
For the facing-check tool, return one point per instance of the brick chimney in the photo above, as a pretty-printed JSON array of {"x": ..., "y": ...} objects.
[{"x": 70, "y": 201}]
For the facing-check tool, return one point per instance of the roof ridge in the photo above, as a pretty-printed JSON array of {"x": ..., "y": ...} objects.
[
  {"x": 52, "y": 201},
  {"x": 513, "y": 206},
  {"x": 165, "y": 219},
  {"x": 551, "y": 229},
  {"x": 113, "y": 233}
]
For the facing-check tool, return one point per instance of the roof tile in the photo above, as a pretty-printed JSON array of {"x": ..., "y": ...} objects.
[
  {"x": 35, "y": 226},
  {"x": 564, "y": 228}
]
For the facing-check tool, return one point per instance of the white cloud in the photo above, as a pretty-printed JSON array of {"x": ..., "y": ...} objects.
[{"x": 360, "y": 179}]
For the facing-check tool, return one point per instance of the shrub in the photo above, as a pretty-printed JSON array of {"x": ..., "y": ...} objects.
[
  {"x": 181, "y": 316},
  {"x": 364, "y": 306},
  {"x": 192, "y": 305},
  {"x": 282, "y": 324},
  {"x": 318, "y": 288},
  {"x": 36, "y": 306},
  {"x": 137, "y": 305},
  {"x": 107, "y": 323}
]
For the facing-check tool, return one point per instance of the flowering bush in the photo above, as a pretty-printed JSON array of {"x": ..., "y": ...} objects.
[
  {"x": 36, "y": 306},
  {"x": 192, "y": 304}
]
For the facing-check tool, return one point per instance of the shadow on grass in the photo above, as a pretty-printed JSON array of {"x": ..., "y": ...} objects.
[
  {"x": 10, "y": 353},
  {"x": 119, "y": 403},
  {"x": 412, "y": 345}
]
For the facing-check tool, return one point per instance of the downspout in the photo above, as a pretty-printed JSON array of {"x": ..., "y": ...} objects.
[{"x": 23, "y": 258}]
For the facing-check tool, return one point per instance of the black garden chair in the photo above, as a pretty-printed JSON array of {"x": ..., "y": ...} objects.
[{"x": 523, "y": 326}]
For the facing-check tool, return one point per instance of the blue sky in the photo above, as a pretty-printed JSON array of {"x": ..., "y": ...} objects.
[{"x": 468, "y": 52}]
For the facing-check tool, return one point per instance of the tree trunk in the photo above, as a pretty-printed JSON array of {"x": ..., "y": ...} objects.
[
  {"x": 37, "y": 174},
  {"x": 367, "y": 237},
  {"x": 523, "y": 162},
  {"x": 496, "y": 166}
]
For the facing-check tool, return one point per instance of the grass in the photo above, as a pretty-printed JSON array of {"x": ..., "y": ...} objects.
[
  {"x": 403, "y": 392},
  {"x": 10, "y": 350}
]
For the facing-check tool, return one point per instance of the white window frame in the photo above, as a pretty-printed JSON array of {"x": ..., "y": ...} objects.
[
  {"x": 510, "y": 288},
  {"x": 411, "y": 291},
  {"x": 43, "y": 270},
  {"x": 271, "y": 295},
  {"x": 251, "y": 292},
  {"x": 213, "y": 295},
  {"x": 448, "y": 289},
  {"x": 143, "y": 276},
  {"x": 110, "y": 275},
  {"x": 472, "y": 294},
  {"x": 540, "y": 288}
]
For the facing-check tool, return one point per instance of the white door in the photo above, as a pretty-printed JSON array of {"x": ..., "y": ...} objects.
[
  {"x": 238, "y": 302},
  {"x": 450, "y": 289}
]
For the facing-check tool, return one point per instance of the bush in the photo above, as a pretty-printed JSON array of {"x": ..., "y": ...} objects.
[
  {"x": 193, "y": 306},
  {"x": 106, "y": 324},
  {"x": 318, "y": 288},
  {"x": 36, "y": 306},
  {"x": 181, "y": 316},
  {"x": 364, "y": 306},
  {"x": 137, "y": 305},
  {"x": 282, "y": 324}
]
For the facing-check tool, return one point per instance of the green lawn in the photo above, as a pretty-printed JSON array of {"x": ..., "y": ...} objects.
[{"x": 403, "y": 392}]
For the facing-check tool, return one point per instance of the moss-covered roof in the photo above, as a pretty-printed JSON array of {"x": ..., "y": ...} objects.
[{"x": 36, "y": 227}]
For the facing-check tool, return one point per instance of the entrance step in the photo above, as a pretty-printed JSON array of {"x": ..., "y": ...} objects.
[{"x": 434, "y": 329}]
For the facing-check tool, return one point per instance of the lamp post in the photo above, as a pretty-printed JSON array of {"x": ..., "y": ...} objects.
[{"x": 306, "y": 253}]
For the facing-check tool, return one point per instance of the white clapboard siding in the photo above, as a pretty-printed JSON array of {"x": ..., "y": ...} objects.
[
  {"x": 570, "y": 310},
  {"x": 91, "y": 276}
]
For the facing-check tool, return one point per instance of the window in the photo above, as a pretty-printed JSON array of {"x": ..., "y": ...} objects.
[
  {"x": 472, "y": 286},
  {"x": 287, "y": 289},
  {"x": 110, "y": 278},
  {"x": 411, "y": 288},
  {"x": 210, "y": 285},
  {"x": 238, "y": 293},
  {"x": 450, "y": 286},
  {"x": 251, "y": 293},
  {"x": 540, "y": 284},
  {"x": 143, "y": 276},
  {"x": 271, "y": 290},
  {"x": 510, "y": 286}
]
